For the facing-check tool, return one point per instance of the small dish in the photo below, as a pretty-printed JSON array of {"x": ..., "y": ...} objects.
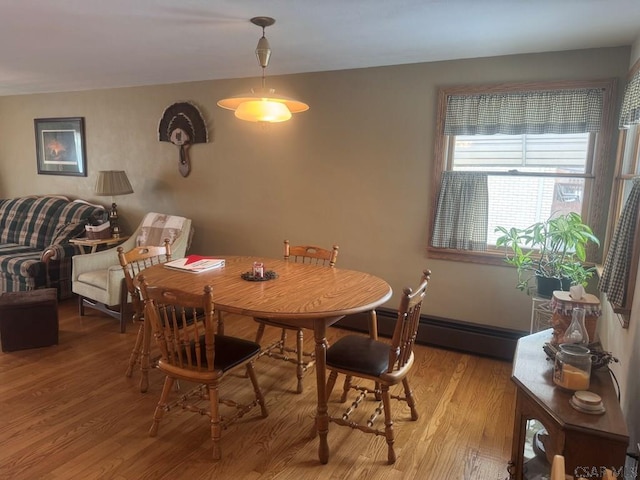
[
  {"x": 587, "y": 398},
  {"x": 592, "y": 410}
]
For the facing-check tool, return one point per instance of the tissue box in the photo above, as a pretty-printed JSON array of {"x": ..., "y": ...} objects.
[{"x": 98, "y": 232}]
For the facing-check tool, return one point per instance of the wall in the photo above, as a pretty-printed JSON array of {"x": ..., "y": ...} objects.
[{"x": 354, "y": 170}]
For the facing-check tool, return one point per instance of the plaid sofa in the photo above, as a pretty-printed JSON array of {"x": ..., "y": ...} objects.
[{"x": 34, "y": 241}]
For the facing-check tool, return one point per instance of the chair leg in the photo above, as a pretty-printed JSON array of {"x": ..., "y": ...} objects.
[
  {"x": 124, "y": 306},
  {"x": 300, "y": 359},
  {"x": 388, "y": 424},
  {"x": 283, "y": 339},
  {"x": 251, "y": 373},
  {"x": 345, "y": 388},
  {"x": 135, "y": 353},
  {"x": 81, "y": 305},
  {"x": 408, "y": 393},
  {"x": 331, "y": 382},
  {"x": 161, "y": 406},
  {"x": 216, "y": 428},
  {"x": 221, "y": 323},
  {"x": 260, "y": 333},
  {"x": 144, "y": 357}
]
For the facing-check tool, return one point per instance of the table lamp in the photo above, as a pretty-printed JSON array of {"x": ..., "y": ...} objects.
[{"x": 112, "y": 183}]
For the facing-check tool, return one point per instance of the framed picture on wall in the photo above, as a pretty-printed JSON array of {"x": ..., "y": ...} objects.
[{"x": 60, "y": 146}]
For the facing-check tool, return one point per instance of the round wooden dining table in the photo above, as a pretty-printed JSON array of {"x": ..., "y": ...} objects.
[{"x": 310, "y": 296}]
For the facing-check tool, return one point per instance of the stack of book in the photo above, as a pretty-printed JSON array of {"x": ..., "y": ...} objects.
[{"x": 195, "y": 263}]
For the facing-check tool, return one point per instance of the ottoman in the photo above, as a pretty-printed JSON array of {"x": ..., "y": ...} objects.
[{"x": 28, "y": 319}]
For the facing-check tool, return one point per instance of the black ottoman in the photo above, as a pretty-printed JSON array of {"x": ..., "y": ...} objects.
[{"x": 28, "y": 319}]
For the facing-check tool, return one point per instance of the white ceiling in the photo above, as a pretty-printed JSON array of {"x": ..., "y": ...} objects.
[{"x": 67, "y": 45}]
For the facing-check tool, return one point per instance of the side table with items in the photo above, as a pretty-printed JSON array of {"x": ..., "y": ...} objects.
[{"x": 589, "y": 441}]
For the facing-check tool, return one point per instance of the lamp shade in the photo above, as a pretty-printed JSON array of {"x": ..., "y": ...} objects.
[
  {"x": 263, "y": 106},
  {"x": 113, "y": 182}
]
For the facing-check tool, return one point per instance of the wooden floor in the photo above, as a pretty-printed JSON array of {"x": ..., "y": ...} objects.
[{"x": 69, "y": 412}]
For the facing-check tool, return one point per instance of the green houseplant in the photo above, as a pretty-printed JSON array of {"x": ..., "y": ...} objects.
[{"x": 552, "y": 251}]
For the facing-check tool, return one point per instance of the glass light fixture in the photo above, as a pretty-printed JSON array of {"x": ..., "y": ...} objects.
[{"x": 263, "y": 105}]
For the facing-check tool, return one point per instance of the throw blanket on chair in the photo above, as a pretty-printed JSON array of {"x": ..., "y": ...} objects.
[{"x": 158, "y": 226}]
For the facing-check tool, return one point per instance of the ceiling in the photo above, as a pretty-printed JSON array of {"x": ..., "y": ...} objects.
[{"x": 68, "y": 45}]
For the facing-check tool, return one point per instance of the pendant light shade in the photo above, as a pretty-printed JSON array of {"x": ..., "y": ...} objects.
[
  {"x": 263, "y": 104},
  {"x": 263, "y": 110}
]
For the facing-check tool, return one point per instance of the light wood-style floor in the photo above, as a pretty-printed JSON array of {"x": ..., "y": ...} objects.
[{"x": 68, "y": 412}]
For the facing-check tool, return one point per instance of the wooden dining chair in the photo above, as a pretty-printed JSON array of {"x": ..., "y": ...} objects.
[
  {"x": 386, "y": 364},
  {"x": 133, "y": 262},
  {"x": 184, "y": 327},
  {"x": 303, "y": 360}
]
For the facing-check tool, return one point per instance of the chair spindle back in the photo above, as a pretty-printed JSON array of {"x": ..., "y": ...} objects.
[
  {"x": 136, "y": 260},
  {"x": 311, "y": 254},
  {"x": 183, "y": 325},
  {"x": 406, "y": 329}
]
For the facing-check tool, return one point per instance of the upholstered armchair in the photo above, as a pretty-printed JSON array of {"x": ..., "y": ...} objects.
[{"x": 98, "y": 279}]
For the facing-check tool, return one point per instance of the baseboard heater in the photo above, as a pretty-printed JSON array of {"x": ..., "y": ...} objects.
[{"x": 445, "y": 333}]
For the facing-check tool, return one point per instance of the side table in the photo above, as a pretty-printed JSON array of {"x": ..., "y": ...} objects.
[
  {"x": 91, "y": 246},
  {"x": 588, "y": 442}
]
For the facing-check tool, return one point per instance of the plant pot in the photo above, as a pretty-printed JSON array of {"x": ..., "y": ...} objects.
[{"x": 547, "y": 285}]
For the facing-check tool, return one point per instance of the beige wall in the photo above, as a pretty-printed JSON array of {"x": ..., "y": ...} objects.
[{"x": 354, "y": 170}]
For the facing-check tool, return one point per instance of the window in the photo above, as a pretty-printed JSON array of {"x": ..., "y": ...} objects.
[
  {"x": 512, "y": 155},
  {"x": 553, "y": 168},
  {"x": 618, "y": 279}
]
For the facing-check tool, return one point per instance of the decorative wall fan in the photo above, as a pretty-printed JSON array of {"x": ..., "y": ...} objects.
[{"x": 183, "y": 125}]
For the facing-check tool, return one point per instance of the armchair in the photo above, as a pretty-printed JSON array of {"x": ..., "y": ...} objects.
[{"x": 98, "y": 279}]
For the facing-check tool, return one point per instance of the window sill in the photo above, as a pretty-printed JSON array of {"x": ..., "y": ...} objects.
[{"x": 489, "y": 257}]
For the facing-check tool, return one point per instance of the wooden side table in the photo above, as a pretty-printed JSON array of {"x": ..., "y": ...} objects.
[
  {"x": 91, "y": 246},
  {"x": 588, "y": 442}
]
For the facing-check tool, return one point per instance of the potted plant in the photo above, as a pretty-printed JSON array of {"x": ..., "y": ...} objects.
[{"x": 552, "y": 251}]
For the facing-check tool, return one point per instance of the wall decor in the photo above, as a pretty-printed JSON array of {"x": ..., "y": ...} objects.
[
  {"x": 60, "y": 146},
  {"x": 183, "y": 125}
]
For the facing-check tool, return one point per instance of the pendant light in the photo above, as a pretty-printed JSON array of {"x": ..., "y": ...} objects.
[{"x": 262, "y": 104}]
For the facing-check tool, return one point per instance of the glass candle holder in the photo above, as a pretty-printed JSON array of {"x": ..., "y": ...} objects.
[{"x": 572, "y": 368}]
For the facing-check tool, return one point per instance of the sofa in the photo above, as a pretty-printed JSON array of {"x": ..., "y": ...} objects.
[{"x": 34, "y": 240}]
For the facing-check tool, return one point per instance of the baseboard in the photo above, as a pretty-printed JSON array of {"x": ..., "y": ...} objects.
[{"x": 466, "y": 337}]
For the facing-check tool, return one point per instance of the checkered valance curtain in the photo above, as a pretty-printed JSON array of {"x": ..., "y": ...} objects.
[
  {"x": 630, "y": 112},
  {"x": 461, "y": 214},
  {"x": 615, "y": 275},
  {"x": 553, "y": 111}
]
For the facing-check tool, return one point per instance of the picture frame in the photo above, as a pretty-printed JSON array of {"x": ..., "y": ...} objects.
[{"x": 60, "y": 146}]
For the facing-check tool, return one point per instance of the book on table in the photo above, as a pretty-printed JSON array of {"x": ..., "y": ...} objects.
[{"x": 195, "y": 263}]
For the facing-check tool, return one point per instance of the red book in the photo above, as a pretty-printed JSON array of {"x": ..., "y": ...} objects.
[{"x": 196, "y": 258}]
